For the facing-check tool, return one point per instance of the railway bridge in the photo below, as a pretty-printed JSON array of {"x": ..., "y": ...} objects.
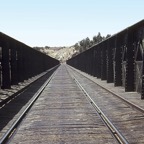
[{"x": 95, "y": 97}]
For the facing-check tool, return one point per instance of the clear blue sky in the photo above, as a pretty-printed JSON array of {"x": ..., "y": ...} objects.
[{"x": 65, "y": 22}]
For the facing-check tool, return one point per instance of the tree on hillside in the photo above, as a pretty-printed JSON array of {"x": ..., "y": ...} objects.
[
  {"x": 108, "y": 35},
  {"x": 77, "y": 46},
  {"x": 95, "y": 40},
  {"x": 98, "y": 38},
  {"x": 86, "y": 43},
  {"x": 47, "y": 47}
]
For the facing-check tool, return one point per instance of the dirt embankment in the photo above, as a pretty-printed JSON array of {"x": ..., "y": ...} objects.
[{"x": 62, "y": 54}]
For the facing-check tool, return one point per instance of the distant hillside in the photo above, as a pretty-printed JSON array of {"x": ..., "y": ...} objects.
[
  {"x": 65, "y": 53},
  {"x": 60, "y": 53}
]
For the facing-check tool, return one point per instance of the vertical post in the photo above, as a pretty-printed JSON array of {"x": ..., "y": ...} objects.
[
  {"x": 87, "y": 61},
  {"x": 124, "y": 55},
  {"x": 142, "y": 90},
  {"x": 26, "y": 62},
  {"x": 6, "y": 83},
  {"x": 0, "y": 65},
  {"x": 90, "y": 61},
  {"x": 110, "y": 60},
  {"x": 118, "y": 62},
  {"x": 14, "y": 74},
  {"x": 94, "y": 62},
  {"x": 130, "y": 64},
  {"x": 99, "y": 62},
  {"x": 20, "y": 63},
  {"x": 84, "y": 58},
  {"x": 103, "y": 61},
  {"x": 141, "y": 37}
]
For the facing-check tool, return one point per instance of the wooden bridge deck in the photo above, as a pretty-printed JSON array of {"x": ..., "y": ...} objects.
[{"x": 62, "y": 115}]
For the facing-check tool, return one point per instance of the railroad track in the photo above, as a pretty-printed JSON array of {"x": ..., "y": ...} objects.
[
  {"x": 116, "y": 121},
  {"x": 6, "y": 95},
  {"x": 126, "y": 117},
  {"x": 26, "y": 96},
  {"x": 78, "y": 118},
  {"x": 131, "y": 104},
  {"x": 115, "y": 132}
]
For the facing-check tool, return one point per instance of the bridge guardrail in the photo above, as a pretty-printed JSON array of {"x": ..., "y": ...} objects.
[
  {"x": 119, "y": 59},
  {"x": 19, "y": 62}
]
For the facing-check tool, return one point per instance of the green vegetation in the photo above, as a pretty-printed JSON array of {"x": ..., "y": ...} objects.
[
  {"x": 87, "y": 43},
  {"x": 64, "y": 53}
]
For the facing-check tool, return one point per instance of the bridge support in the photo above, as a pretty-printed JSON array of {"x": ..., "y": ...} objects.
[
  {"x": 110, "y": 60},
  {"x": 103, "y": 61},
  {"x": 98, "y": 62},
  {"x": 20, "y": 63},
  {"x": 14, "y": 72},
  {"x": 130, "y": 64},
  {"x": 119, "y": 58},
  {"x": 118, "y": 62},
  {"x": 94, "y": 63},
  {"x": 6, "y": 82}
]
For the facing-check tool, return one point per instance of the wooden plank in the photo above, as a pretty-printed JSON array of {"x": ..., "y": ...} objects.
[{"x": 62, "y": 114}]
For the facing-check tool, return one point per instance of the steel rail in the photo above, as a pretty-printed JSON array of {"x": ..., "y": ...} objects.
[
  {"x": 7, "y": 100},
  {"x": 131, "y": 104},
  {"x": 119, "y": 137},
  {"x": 10, "y": 131}
]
